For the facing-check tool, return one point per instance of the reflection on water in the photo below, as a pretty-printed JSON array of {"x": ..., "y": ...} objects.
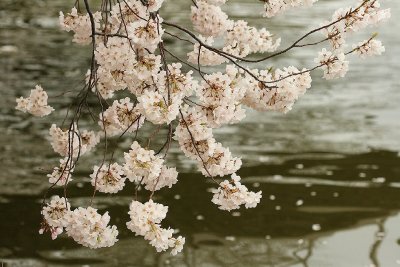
[{"x": 329, "y": 170}]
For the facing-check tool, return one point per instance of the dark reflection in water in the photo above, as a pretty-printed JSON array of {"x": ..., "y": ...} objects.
[{"x": 329, "y": 170}]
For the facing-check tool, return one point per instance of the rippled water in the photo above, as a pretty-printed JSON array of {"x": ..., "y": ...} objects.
[{"x": 331, "y": 165}]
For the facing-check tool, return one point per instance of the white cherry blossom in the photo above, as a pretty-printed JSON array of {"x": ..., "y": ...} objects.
[
  {"x": 36, "y": 103},
  {"x": 90, "y": 229}
]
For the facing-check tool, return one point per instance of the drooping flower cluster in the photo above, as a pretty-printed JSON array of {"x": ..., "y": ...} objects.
[
  {"x": 242, "y": 39},
  {"x": 334, "y": 65},
  {"x": 204, "y": 56},
  {"x": 86, "y": 226},
  {"x": 220, "y": 97},
  {"x": 80, "y": 25},
  {"x": 53, "y": 216},
  {"x": 157, "y": 109},
  {"x": 146, "y": 34},
  {"x": 146, "y": 221},
  {"x": 132, "y": 63},
  {"x": 36, "y": 103},
  {"x": 108, "y": 178},
  {"x": 197, "y": 142},
  {"x": 349, "y": 20},
  {"x": 90, "y": 229},
  {"x": 61, "y": 175},
  {"x": 122, "y": 116},
  {"x": 143, "y": 166},
  {"x": 369, "y": 48},
  {"x": 209, "y": 19},
  {"x": 71, "y": 141},
  {"x": 231, "y": 194}
]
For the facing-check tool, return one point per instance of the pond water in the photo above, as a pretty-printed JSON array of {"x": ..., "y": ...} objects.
[{"x": 329, "y": 170}]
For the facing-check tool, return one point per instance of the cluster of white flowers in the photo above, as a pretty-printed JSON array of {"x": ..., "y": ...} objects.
[
  {"x": 108, "y": 178},
  {"x": 209, "y": 19},
  {"x": 370, "y": 47},
  {"x": 146, "y": 221},
  {"x": 80, "y": 25},
  {"x": 146, "y": 34},
  {"x": 61, "y": 175},
  {"x": 130, "y": 64},
  {"x": 197, "y": 142},
  {"x": 242, "y": 39},
  {"x": 36, "y": 103},
  {"x": 289, "y": 87},
  {"x": 127, "y": 11},
  {"x": 86, "y": 226},
  {"x": 72, "y": 142},
  {"x": 334, "y": 65},
  {"x": 220, "y": 97},
  {"x": 231, "y": 194},
  {"x": 53, "y": 216},
  {"x": 204, "y": 56},
  {"x": 143, "y": 166},
  {"x": 275, "y": 7},
  {"x": 157, "y": 109},
  {"x": 122, "y": 116},
  {"x": 350, "y": 20},
  {"x": 90, "y": 229}
]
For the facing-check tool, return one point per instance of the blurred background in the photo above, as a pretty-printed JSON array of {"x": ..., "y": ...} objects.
[{"x": 329, "y": 170}]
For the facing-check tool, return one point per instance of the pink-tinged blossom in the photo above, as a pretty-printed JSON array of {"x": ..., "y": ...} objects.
[
  {"x": 157, "y": 108},
  {"x": 334, "y": 65},
  {"x": 122, "y": 116},
  {"x": 369, "y": 48},
  {"x": 62, "y": 174},
  {"x": 90, "y": 229},
  {"x": 108, "y": 178},
  {"x": 146, "y": 34},
  {"x": 54, "y": 214},
  {"x": 80, "y": 25},
  {"x": 36, "y": 103},
  {"x": 207, "y": 57},
  {"x": 232, "y": 194},
  {"x": 71, "y": 141},
  {"x": 146, "y": 221},
  {"x": 209, "y": 20}
]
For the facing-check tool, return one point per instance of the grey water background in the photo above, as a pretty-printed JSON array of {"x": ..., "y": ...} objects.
[{"x": 329, "y": 170}]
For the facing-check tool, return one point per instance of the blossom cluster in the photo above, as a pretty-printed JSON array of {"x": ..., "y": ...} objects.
[
  {"x": 370, "y": 47},
  {"x": 62, "y": 174},
  {"x": 350, "y": 20},
  {"x": 334, "y": 65},
  {"x": 197, "y": 142},
  {"x": 231, "y": 194},
  {"x": 53, "y": 216},
  {"x": 142, "y": 165},
  {"x": 36, "y": 103},
  {"x": 146, "y": 221},
  {"x": 135, "y": 84},
  {"x": 108, "y": 178},
  {"x": 239, "y": 39},
  {"x": 285, "y": 86},
  {"x": 121, "y": 116},
  {"x": 79, "y": 24},
  {"x": 72, "y": 142},
  {"x": 86, "y": 226}
]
